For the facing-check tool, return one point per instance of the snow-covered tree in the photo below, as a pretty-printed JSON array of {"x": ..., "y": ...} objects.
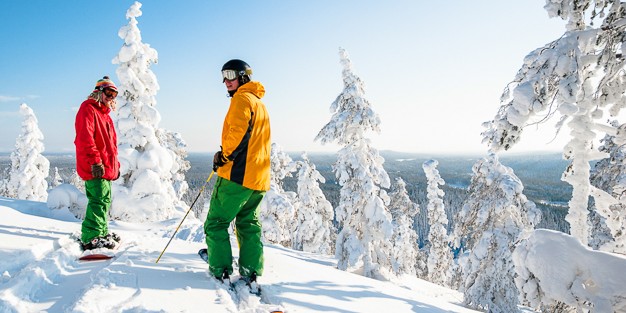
[
  {"x": 56, "y": 178},
  {"x": 557, "y": 274},
  {"x": 4, "y": 182},
  {"x": 174, "y": 143},
  {"x": 76, "y": 181},
  {"x": 366, "y": 228},
  {"x": 406, "y": 257},
  {"x": 609, "y": 228},
  {"x": 315, "y": 232},
  {"x": 580, "y": 76},
  {"x": 278, "y": 212},
  {"x": 493, "y": 216},
  {"x": 152, "y": 159},
  {"x": 67, "y": 196},
  {"x": 440, "y": 254},
  {"x": 29, "y": 168}
]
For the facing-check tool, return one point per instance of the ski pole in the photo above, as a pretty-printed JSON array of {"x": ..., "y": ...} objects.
[{"x": 184, "y": 217}]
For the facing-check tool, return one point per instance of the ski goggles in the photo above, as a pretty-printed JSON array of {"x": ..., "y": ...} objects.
[
  {"x": 110, "y": 93},
  {"x": 229, "y": 75}
]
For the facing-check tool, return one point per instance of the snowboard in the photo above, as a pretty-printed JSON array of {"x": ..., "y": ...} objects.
[
  {"x": 99, "y": 254},
  {"x": 96, "y": 256}
]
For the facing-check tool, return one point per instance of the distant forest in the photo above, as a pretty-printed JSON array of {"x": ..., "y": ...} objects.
[{"x": 540, "y": 174}]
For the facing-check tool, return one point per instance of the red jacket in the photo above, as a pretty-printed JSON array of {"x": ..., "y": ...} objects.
[{"x": 96, "y": 140}]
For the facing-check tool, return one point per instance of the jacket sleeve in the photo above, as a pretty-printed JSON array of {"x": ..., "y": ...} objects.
[
  {"x": 85, "y": 139},
  {"x": 236, "y": 125}
]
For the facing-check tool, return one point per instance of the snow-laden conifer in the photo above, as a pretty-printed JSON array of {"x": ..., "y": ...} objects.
[
  {"x": 56, "y": 179},
  {"x": 440, "y": 254},
  {"x": 278, "y": 211},
  {"x": 406, "y": 255},
  {"x": 609, "y": 175},
  {"x": 557, "y": 274},
  {"x": 174, "y": 143},
  {"x": 29, "y": 168},
  {"x": 366, "y": 228},
  {"x": 67, "y": 196},
  {"x": 493, "y": 216},
  {"x": 76, "y": 181},
  {"x": 4, "y": 182},
  {"x": 152, "y": 159},
  {"x": 315, "y": 232},
  {"x": 579, "y": 76}
]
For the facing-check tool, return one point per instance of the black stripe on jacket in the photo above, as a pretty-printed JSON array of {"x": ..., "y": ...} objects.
[{"x": 240, "y": 155}]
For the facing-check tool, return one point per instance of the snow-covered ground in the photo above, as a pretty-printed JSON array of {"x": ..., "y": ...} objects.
[{"x": 40, "y": 273}]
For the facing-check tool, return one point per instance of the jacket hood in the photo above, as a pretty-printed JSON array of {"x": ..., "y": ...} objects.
[
  {"x": 254, "y": 88},
  {"x": 99, "y": 106}
]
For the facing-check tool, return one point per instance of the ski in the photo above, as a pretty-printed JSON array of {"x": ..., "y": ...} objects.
[
  {"x": 204, "y": 255},
  {"x": 254, "y": 287},
  {"x": 241, "y": 290}
]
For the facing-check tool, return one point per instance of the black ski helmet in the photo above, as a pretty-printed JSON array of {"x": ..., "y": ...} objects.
[{"x": 242, "y": 68}]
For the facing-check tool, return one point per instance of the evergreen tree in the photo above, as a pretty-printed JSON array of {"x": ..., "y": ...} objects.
[
  {"x": 67, "y": 196},
  {"x": 56, "y": 178},
  {"x": 76, "y": 181},
  {"x": 366, "y": 228},
  {"x": 440, "y": 255},
  {"x": 405, "y": 255},
  {"x": 493, "y": 216},
  {"x": 29, "y": 168},
  {"x": 4, "y": 182},
  {"x": 580, "y": 76},
  {"x": 152, "y": 159},
  {"x": 608, "y": 219},
  {"x": 315, "y": 232},
  {"x": 277, "y": 208},
  {"x": 177, "y": 147}
]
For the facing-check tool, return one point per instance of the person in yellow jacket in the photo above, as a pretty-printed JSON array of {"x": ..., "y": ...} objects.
[{"x": 243, "y": 170}]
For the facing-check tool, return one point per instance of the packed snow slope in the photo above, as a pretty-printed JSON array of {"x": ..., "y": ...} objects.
[{"x": 40, "y": 272}]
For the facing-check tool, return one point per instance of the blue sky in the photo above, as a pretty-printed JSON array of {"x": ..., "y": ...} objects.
[{"x": 434, "y": 70}]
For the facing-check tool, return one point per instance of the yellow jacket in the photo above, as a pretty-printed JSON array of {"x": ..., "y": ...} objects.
[{"x": 246, "y": 139}]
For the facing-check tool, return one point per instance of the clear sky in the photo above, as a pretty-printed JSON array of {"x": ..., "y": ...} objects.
[{"x": 434, "y": 70}]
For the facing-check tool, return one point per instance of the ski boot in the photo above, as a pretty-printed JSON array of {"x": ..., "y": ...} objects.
[
  {"x": 224, "y": 278},
  {"x": 114, "y": 237},
  {"x": 252, "y": 284}
]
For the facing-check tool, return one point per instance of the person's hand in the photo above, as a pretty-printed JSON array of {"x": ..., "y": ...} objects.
[
  {"x": 97, "y": 170},
  {"x": 218, "y": 160}
]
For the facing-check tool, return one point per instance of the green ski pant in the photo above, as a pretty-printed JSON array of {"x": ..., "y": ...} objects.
[
  {"x": 99, "y": 201},
  {"x": 231, "y": 201}
]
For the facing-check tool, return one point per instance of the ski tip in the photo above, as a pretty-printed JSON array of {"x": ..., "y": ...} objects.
[{"x": 203, "y": 255}]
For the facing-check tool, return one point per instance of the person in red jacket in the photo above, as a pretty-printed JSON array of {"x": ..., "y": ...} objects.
[{"x": 97, "y": 163}]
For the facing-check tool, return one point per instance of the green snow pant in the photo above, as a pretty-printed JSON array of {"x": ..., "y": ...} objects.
[
  {"x": 96, "y": 218},
  {"x": 231, "y": 201}
]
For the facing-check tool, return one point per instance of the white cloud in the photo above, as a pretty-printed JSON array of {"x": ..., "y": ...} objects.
[
  {"x": 4, "y": 98},
  {"x": 8, "y": 98}
]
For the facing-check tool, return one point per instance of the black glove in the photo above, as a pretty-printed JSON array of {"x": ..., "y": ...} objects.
[
  {"x": 218, "y": 160},
  {"x": 97, "y": 170}
]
